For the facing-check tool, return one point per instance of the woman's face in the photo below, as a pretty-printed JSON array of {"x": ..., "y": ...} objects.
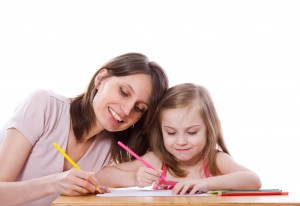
[{"x": 121, "y": 101}]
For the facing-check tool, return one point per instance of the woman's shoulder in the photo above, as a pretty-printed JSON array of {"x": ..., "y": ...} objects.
[
  {"x": 42, "y": 102},
  {"x": 47, "y": 99},
  {"x": 42, "y": 94},
  {"x": 39, "y": 94}
]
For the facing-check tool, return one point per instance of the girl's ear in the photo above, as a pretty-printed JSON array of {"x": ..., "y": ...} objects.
[{"x": 101, "y": 74}]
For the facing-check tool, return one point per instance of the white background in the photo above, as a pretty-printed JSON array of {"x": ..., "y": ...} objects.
[{"x": 245, "y": 52}]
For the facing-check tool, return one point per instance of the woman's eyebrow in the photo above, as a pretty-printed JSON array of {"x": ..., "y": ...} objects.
[{"x": 130, "y": 87}]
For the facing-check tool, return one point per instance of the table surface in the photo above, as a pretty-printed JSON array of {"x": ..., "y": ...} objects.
[{"x": 91, "y": 200}]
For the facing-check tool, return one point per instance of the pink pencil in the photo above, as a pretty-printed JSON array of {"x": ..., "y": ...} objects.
[
  {"x": 136, "y": 156},
  {"x": 163, "y": 183}
]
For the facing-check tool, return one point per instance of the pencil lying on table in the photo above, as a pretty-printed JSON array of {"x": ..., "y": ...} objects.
[{"x": 251, "y": 192}]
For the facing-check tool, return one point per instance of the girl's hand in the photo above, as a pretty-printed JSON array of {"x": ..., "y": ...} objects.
[
  {"x": 77, "y": 182},
  {"x": 191, "y": 186},
  {"x": 146, "y": 176}
]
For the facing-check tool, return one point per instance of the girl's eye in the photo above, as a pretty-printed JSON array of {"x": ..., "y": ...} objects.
[
  {"x": 193, "y": 133},
  {"x": 171, "y": 133}
]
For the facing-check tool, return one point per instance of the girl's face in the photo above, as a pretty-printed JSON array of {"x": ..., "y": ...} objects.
[
  {"x": 184, "y": 133},
  {"x": 121, "y": 101}
]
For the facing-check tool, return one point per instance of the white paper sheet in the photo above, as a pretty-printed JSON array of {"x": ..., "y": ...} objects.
[{"x": 136, "y": 191}]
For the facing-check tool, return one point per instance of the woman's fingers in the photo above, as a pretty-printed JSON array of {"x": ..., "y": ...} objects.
[
  {"x": 78, "y": 182},
  {"x": 90, "y": 183},
  {"x": 102, "y": 190}
]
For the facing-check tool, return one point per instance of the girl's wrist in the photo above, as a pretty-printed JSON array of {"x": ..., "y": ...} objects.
[{"x": 206, "y": 185}]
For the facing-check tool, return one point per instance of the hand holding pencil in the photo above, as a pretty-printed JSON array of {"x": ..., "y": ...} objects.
[{"x": 85, "y": 182}]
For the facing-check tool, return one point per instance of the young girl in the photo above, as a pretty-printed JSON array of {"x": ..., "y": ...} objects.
[{"x": 187, "y": 144}]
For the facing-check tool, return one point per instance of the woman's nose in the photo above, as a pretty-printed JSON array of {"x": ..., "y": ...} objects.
[{"x": 127, "y": 108}]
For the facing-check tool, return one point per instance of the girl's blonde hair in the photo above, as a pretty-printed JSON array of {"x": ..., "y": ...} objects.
[{"x": 183, "y": 95}]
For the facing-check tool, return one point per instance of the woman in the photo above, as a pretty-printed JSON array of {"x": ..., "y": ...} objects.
[{"x": 114, "y": 107}]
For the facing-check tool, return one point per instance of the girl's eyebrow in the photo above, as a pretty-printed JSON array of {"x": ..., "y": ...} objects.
[
  {"x": 196, "y": 125},
  {"x": 169, "y": 127}
]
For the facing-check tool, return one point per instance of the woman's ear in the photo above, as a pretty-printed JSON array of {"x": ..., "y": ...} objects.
[{"x": 101, "y": 74}]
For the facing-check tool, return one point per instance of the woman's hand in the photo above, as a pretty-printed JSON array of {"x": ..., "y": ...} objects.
[
  {"x": 146, "y": 176},
  {"x": 191, "y": 186},
  {"x": 77, "y": 182}
]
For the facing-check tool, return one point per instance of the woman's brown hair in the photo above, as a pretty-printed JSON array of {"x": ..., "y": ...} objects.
[
  {"x": 83, "y": 116},
  {"x": 183, "y": 95}
]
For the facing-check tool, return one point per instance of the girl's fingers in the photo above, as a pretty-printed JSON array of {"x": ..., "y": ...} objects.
[
  {"x": 146, "y": 176},
  {"x": 152, "y": 172},
  {"x": 181, "y": 189},
  {"x": 176, "y": 189},
  {"x": 195, "y": 190},
  {"x": 184, "y": 189}
]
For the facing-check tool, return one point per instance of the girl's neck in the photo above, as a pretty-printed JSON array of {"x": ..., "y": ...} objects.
[{"x": 194, "y": 170}]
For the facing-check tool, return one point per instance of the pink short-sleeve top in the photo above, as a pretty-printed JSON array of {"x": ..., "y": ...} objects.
[{"x": 44, "y": 118}]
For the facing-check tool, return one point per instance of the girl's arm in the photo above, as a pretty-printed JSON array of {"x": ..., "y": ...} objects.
[
  {"x": 130, "y": 174},
  {"x": 14, "y": 151},
  {"x": 233, "y": 177}
]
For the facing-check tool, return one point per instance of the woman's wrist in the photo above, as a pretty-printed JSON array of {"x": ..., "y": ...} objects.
[{"x": 49, "y": 184}]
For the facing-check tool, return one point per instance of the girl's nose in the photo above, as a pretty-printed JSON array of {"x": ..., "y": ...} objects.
[{"x": 181, "y": 140}]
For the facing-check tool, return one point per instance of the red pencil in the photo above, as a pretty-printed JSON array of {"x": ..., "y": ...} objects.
[{"x": 249, "y": 193}]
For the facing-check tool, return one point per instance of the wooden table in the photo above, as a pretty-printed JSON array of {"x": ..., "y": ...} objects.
[{"x": 214, "y": 200}]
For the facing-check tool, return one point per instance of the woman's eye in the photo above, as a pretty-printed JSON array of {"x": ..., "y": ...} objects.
[
  {"x": 139, "y": 109},
  {"x": 171, "y": 133},
  {"x": 123, "y": 92},
  {"x": 192, "y": 133}
]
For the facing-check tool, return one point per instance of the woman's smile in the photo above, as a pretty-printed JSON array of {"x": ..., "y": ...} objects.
[{"x": 115, "y": 115}]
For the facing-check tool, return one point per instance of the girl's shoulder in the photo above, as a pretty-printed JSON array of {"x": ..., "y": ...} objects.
[
  {"x": 222, "y": 156},
  {"x": 226, "y": 164},
  {"x": 152, "y": 159}
]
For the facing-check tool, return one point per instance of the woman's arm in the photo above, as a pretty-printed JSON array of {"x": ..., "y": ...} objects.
[
  {"x": 130, "y": 174},
  {"x": 13, "y": 153}
]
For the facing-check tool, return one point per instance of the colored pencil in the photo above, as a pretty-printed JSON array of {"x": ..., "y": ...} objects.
[
  {"x": 70, "y": 160},
  {"x": 252, "y": 192},
  {"x": 136, "y": 156}
]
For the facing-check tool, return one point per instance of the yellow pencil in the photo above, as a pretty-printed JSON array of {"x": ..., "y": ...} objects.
[{"x": 70, "y": 160}]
